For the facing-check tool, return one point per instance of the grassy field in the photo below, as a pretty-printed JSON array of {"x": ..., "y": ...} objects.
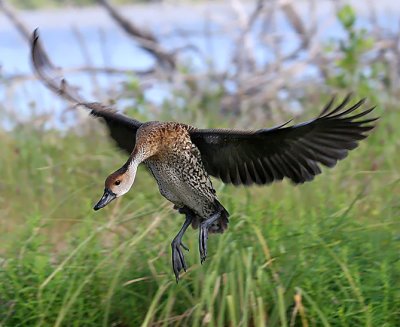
[{"x": 322, "y": 254}]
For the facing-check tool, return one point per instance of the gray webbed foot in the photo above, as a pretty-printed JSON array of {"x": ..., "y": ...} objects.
[
  {"x": 178, "y": 259},
  {"x": 203, "y": 235}
]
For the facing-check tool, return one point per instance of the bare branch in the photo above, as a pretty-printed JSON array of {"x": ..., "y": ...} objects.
[
  {"x": 13, "y": 17},
  {"x": 146, "y": 39},
  {"x": 82, "y": 69},
  {"x": 86, "y": 56},
  {"x": 245, "y": 45},
  {"x": 295, "y": 20}
]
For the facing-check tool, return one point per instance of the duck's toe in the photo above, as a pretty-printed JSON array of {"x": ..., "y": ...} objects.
[{"x": 178, "y": 259}]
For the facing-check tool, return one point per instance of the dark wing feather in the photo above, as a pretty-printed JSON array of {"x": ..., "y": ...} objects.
[
  {"x": 295, "y": 152},
  {"x": 122, "y": 128}
]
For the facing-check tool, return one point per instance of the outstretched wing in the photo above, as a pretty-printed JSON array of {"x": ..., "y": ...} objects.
[
  {"x": 122, "y": 128},
  {"x": 295, "y": 152}
]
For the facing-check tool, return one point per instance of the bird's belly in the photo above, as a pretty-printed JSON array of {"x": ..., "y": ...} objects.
[{"x": 174, "y": 186}]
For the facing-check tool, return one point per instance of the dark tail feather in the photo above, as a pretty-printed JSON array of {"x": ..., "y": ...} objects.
[{"x": 222, "y": 223}]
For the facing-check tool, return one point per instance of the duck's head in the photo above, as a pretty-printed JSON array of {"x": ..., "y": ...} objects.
[
  {"x": 120, "y": 182},
  {"x": 117, "y": 184}
]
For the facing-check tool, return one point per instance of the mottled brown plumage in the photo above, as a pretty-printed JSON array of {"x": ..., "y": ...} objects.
[{"x": 181, "y": 157}]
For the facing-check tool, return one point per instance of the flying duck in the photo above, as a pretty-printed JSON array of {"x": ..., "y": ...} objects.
[{"x": 182, "y": 157}]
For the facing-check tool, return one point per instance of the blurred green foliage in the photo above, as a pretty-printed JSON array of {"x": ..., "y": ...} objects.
[
  {"x": 333, "y": 243},
  {"x": 350, "y": 69}
]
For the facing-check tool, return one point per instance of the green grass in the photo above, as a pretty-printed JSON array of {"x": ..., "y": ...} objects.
[{"x": 322, "y": 254}]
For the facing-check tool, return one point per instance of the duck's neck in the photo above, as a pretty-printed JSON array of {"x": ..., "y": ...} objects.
[
  {"x": 130, "y": 169},
  {"x": 138, "y": 155}
]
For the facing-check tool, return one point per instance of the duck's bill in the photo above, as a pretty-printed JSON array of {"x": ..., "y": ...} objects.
[{"x": 107, "y": 197}]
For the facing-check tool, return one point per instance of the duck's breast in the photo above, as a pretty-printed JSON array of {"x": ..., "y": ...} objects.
[{"x": 183, "y": 180}]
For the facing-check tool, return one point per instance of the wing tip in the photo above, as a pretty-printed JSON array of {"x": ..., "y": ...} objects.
[
  {"x": 35, "y": 47},
  {"x": 340, "y": 112},
  {"x": 34, "y": 41},
  {"x": 35, "y": 35}
]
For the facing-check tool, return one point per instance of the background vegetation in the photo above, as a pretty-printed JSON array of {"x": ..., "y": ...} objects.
[{"x": 322, "y": 254}]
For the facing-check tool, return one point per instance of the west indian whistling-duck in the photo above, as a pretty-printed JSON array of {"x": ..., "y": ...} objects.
[{"x": 181, "y": 157}]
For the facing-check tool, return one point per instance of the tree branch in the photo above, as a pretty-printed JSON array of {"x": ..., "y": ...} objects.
[{"x": 145, "y": 38}]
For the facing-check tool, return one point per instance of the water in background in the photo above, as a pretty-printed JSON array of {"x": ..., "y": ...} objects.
[{"x": 108, "y": 46}]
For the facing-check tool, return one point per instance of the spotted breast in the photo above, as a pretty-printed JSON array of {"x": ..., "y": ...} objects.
[{"x": 178, "y": 169}]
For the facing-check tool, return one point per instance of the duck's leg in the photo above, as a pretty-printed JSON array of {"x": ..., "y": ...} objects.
[
  {"x": 178, "y": 260},
  {"x": 203, "y": 234}
]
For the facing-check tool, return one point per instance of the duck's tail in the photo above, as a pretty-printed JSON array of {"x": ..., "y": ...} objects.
[
  {"x": 219, "y": 225},
  {"x": 222, "y": 223}
]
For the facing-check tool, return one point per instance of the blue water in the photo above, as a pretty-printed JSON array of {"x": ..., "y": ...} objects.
[{"x": 107, "y": 45}]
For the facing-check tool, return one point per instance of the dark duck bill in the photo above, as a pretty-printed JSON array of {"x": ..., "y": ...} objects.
[{"x": 107, "y": 197}]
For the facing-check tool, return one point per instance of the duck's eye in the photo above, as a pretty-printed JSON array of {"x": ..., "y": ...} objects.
[{"x": 117, "y": 182}]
